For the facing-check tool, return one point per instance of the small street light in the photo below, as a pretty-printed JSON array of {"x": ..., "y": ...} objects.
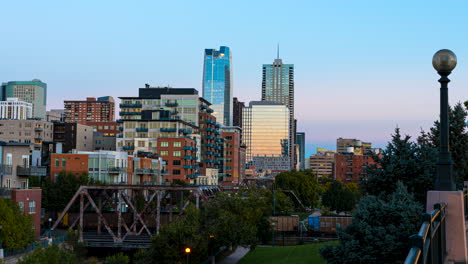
[
  {"x": 1, "y": 243},
  {"x": 187, "y": 252},
  {"x": 444, "y": 61}
]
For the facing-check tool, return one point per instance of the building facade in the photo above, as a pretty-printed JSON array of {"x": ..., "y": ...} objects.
[
  {"x": 266, "y": 130},
  {"x": 101, "y": 109},
  {"x": 356, "y": 146},
  {"x": 323, "y": 163},
  {"x": 278, "y": 86},
  {"x": 217, "y": 83},
  {"x": 300, "y": 143},
  {"x": 73, "y": 136},
  {"x": 180, "y": 157},
  {"x": 34, "y": 92},
  {"x": 238, "y": 107},
  {"x": 12, "y": 108},
  {"x": 232, "y": 161},
  {"x": 350, "y": 167},
  {"x": 26, "y": 131},
  {"x": 55, "y": 115}
]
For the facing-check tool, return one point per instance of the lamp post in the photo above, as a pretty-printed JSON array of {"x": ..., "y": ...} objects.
[
  {"x": 444, "y": 61},
  {"x": 1, "y": 243},
  {"x": 187, "y": 252}
]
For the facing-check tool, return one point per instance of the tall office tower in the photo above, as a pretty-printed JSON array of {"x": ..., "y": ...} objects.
[
  {"x": 217, "y": 83},
  {"x": 91, "y": 110},
  {"x": 278, "y": 86},
  {"x": 356, "y": 146},
  {"x": 12, "y": 108},
  {"x": 237, "y": 112},
  {"x": 300, "y": 142},
  {"x": 34, "y": 92},
  {"x": 266, "y": 130}
]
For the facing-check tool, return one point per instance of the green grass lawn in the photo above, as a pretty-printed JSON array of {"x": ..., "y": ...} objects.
[{"x": 286, "y": 255}]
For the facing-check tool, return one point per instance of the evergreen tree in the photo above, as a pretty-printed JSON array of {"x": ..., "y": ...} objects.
[
  {"x": 412, "y": 163},
  {"x": 380, "y": 230},
  {"x": 458, "y": 141}
]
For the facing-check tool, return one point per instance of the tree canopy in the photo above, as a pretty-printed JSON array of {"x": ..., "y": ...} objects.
[
  {"x": 303, "y": 183},
  {"x": 17, "y": 228},
  {"x": 56, "y": 194},
  {"x": 380, "y": 230},
  {"x": 52, "y": 254},
  {"x": 339, "y": 197}
]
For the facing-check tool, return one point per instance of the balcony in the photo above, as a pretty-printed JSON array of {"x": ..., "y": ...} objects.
[
  {"x": 210, "y": 122},
  {"x": 188, "y": 167},
  {"x": 209, "y": 129},
  {"x": 5, "y": 169},
  {"x": 31, "y": 171},
  {"x": 189, "y": 148},
  {"x": 217, "y": 125},
  {"x": 209, "y": 110},
  {"x": 120, "y": 136},
  {"x": 37, "y": 136},
  {"x": 217, "y": 132},
  {"x": 203, "y": 106},
  {"x": 121, "y": 129},
  {"x": 172, "y": 104},
  {"x": 119, "y": 121},
  {"x": 174, "y": 112},
  {"x": 186, "y": 130},
  {"x": 141, "y": 129},
  {"x": 129, "y": 113},
  {"x": 210, "y": 137},
  {"x": 142, "y": 171},
  {"x": 38, "y": 129},
  {"x": 209, "y": 153},
  {"x": 209, "y": 161},
  {"x": 209, "y": 145},
  {"x": 188, "y": 157},
  {"x": 193, "y": 176},
  {"x": 130, "y": 105},
  {"x": 168, "y": 129},
  {"x": 116, "y": 169},
  {"x": 128, "y": 147}
]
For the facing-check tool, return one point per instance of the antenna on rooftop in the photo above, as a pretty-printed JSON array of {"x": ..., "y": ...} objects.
[{"x": 277, "y": 52}]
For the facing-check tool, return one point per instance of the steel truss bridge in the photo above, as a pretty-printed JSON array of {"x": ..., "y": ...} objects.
[{"x": 143, "y": 202}]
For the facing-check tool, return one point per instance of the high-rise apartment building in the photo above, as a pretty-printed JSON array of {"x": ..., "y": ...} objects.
[
  {"x": 26, "y": 131},
  {"x": 300, "y": 142},
  {"x": 356, "y": 146},
  {"x": 217, "y": 83},
  {"x": 278, "y": 86},
  {"x": 266, "y": 129},
  {"x": 350, "y": 167},
  {"x": 12, "y": 108},
  {"x": 91, "y": 110},
  {"x": 159, "y": 113},
  {"x": 73, "y": 136},
  {"x": 34, "y": 92},
  {"x": 55, "y": 115},
  {"x": 232, "y": 161}
]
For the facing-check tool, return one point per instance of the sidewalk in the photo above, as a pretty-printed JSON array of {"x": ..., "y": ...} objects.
[{"x": 236, "y": 256}]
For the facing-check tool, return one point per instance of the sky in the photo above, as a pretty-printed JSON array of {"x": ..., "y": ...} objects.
[{"x": 362, "y": 68}]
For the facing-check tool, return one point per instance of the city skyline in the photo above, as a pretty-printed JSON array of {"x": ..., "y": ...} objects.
[{"x": 352, "y": 78}]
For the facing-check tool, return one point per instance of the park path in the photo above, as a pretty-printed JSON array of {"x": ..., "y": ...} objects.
[{"x": 236, "y": 256}]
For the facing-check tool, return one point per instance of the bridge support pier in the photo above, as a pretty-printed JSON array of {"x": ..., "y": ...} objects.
[{"x": 455, "y": 223}]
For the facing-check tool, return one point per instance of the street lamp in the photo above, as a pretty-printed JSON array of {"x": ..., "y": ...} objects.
[
  {"x": 444, "y": 61},
  {"x": 1, "y": 243},
  {"x": 187, "y": 252}
]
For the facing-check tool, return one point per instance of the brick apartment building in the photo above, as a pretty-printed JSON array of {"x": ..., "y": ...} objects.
[
  {"x": 90, "y": 110},
  {"x": 350, "y": 167},
  {"x": 29, "y": 202},
  {"x": 180, "y": 156},
  {"x": 73, "y": 136},
  {"x": 233, "y": 161}
]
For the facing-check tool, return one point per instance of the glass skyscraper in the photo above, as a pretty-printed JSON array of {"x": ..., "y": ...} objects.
[
  {"x": 278, "y": 86},
  {"x": 266, "y": 129},
  {"x": 217, "y": 83}
]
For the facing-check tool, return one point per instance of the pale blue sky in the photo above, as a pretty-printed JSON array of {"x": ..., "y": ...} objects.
[{"x": 361, "y": 67}]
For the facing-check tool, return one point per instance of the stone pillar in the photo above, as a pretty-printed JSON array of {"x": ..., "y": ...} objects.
[{"x": 454, "y": 222}]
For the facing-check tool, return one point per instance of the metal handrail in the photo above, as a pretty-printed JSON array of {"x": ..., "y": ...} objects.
[{"x": 428, "y": 245}]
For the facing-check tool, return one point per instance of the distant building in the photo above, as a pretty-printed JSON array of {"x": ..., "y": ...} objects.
[
  {"x": 266, "y": 130},
  {"x": 238, "y": 107},
  {"x": 271, "y": 164},
  {"x": 108, "y": 129},
  {"x": 12, "y": 108},
  {"x": 232, "y": 159},
  {"x": 356, "y": 146},
  {"x": 56, "y": 115},
  {"x": 300, "y": 142},
  {"x": 29, "y": 202},
  {"x": 323, "y": 163},
  {"x": 34, "y": 92},
  {"x": 91, "y": 110},
  {"x": 102, "y": 142},
  {"x": 350, "y": 167},
  {"x": 278, "y": 86},
  {"x": 26, "y": 131},
  {"x": 73, "y": 136},
  {"x": 180, "y": 157},
  {"x": 217, "y": 83}
]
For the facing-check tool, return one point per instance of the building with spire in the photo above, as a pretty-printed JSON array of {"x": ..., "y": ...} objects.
[
  {"x": 217, "y": 83},
  {"x": 278, "y": 86}
]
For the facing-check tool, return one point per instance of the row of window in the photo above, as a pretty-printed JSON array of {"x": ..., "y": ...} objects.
[
  {"x": 174, "y": 153},
  {"x": 174, "y": 144},
  {"x": 32, "y": 206}
]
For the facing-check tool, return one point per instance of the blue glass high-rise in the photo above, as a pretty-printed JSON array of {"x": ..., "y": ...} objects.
[{"x": 217, "y": 83}]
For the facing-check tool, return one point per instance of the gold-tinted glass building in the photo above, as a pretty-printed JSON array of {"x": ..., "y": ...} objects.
[{"x": 266, "y": 129}]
